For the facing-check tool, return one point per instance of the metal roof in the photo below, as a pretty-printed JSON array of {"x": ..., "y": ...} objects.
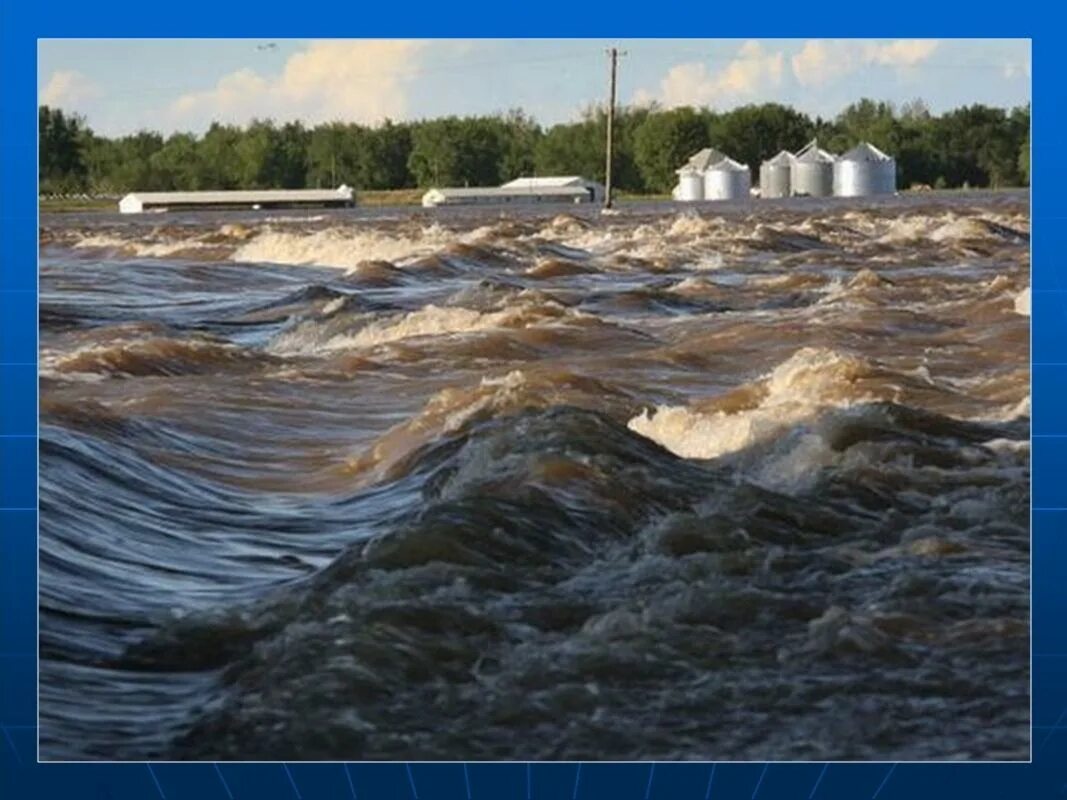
[
  {"x": 546, "y": 182},
  {"x": 811, "y": 153},
  {"x": 508, "y": 190},
  {"x": 865, "y": 151},
  {"x": 783, "y": 159},
  {"x": 728, "y": 165},
  {"x": 699, "y": 162},
  {"x": 244, "y": 196}
]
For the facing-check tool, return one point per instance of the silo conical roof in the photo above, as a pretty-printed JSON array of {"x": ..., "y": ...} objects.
[
  {"x": 813, "y": 154},
  {"x": 729, "y": 165},
  {"x": 783, "y": 159},
  {"x": 699, "y": 162},
  {"x": 865, "y": 151}
]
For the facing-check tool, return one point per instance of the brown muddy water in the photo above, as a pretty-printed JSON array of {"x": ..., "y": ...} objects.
[{"x": 738, "y": 482}]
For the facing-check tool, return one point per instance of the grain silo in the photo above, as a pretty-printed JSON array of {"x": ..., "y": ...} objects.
[
  {"x": 727, "y": 180},
  {"x": 813, "y": 172},
  {"x": 864, "y": 170},
  {"x": 690, "y": 186},
  {"x": 775, "y": 175}
]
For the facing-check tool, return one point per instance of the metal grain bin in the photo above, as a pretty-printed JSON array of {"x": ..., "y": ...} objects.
[
  {"x": 775, "y": 175},
  {"x": 813, "y": 172},
  {"x": 727, "y": 180},
  {"x": 690, "y": 186},
  {"x": 864, "y": 170}
]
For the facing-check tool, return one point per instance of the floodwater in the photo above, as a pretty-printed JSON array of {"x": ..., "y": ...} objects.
[{"x": 734, "y": 482}]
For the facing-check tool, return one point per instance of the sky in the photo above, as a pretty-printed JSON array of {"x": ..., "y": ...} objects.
[{"x": 121, "y": 86}]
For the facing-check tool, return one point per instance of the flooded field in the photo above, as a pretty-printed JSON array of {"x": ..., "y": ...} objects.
[{"x": 739, "y": 482}]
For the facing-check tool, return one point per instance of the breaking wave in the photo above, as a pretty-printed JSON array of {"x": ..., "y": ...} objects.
[{"x": 736, "y": 484}]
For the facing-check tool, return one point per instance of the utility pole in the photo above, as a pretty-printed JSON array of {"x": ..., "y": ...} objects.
[{"x": 613, "y": 56}]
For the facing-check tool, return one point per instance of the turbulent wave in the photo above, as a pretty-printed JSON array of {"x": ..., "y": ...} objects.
[
  {"x": 431, "y": 320},
  {"x": 809, "y": 380},
  {"x": 743, "y": 484},
  {"x": 336, "y": 248},
  {"x": 155, "y": 356},
  {"x": 560, "y": 561}
]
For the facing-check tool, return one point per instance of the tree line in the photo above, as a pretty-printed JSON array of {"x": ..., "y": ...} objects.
[{"x": 972, "y": 145}]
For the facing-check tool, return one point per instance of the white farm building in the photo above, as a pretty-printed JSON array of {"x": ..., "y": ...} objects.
[
  {"x": 139, "y": 202},
  {"x": 521, "y": 191},
  {"x": 711, "y": 175}
]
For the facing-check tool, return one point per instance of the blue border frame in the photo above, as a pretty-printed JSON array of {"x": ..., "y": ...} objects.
[{"x": 20, "y": 774}]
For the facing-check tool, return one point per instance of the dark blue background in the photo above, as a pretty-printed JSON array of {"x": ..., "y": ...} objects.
[{"x": 20, "y": 774}]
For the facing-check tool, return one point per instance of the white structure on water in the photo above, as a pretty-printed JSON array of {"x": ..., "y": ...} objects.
[
  {"x": 813, "y": 171},
  {"x": 710, "y": 175},
  {"x": 521, "y": 191},
  {"x": 775, "y": 175},
  {"x": 864, "y": 170},
  {"x": 727, "y": 180},
  {"x": 139, "y": 202},
  {"x": 690, "y": 187}
]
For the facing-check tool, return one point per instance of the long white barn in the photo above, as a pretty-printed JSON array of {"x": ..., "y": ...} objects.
[
  {"x": 139, "y": 202},
  {"x": 565, "y": 189}
]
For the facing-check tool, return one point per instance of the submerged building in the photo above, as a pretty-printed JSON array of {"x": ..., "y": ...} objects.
[
  {"x": 562, "y": 189},
  {"x": 776, "y": 175},
  {"x": 813, "y": 171},
  {"x": 864, "y": 170},
  {"x": 690, "y": 186},
  {"x": 727, "y": 180},
  {"x": 254, "y": 199},
  {"x": 711, "y": 175}
]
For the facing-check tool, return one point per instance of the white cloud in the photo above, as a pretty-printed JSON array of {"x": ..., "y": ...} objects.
[
  {"x": 354, "y": 80},
  {"x": 822, "y": 61},
  {"x": 69, "y": 89},
  {"x": 900, "y": 53},
  {"x": 750, "y": 72}
]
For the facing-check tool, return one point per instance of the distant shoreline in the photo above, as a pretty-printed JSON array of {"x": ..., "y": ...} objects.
[{"x": 380, "y": 198}]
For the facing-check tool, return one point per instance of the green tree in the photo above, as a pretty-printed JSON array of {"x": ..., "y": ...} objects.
[
  {"x": 579, "y": 148},
  {"x": 975, "y": 144},
  {"x": 571, "y": 149},
  {"x": 384, "y": 158},
  {"x": 61, "y": 145},
  {"x": 133, "y": 168},
  {"x": 219, "y": 164},
  {"x": 868, "y": 121},
  {"x": 663, "y": 142},
  {"x": 753, "y": 133},
  {"x": 521, "y": 136},
  {"x": 177, "y": 165},
  {"x": 457, "y": 151}
]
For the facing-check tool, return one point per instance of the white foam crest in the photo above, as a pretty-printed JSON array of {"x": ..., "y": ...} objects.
[
  {"x": 691, "y": 225},
  {"x": 141, "y": 247},
  {"x": 503, "y": 389},
  {"x": 794, "y": 391},
  {"x": 952, "y": 228},
  {"x": 1009, "y": 412},
  {"x": 711, "y": 261},
  {"x": 1022, "y": 302},
  {"x": 431, "y": 320},
  {"x": 343, "y": 248}
]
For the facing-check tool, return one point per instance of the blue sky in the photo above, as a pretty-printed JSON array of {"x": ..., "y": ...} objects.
[{"x": 183, "y": 84}]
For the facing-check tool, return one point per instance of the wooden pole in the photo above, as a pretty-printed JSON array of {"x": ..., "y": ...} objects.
[{"x": 613, "y": 55}]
